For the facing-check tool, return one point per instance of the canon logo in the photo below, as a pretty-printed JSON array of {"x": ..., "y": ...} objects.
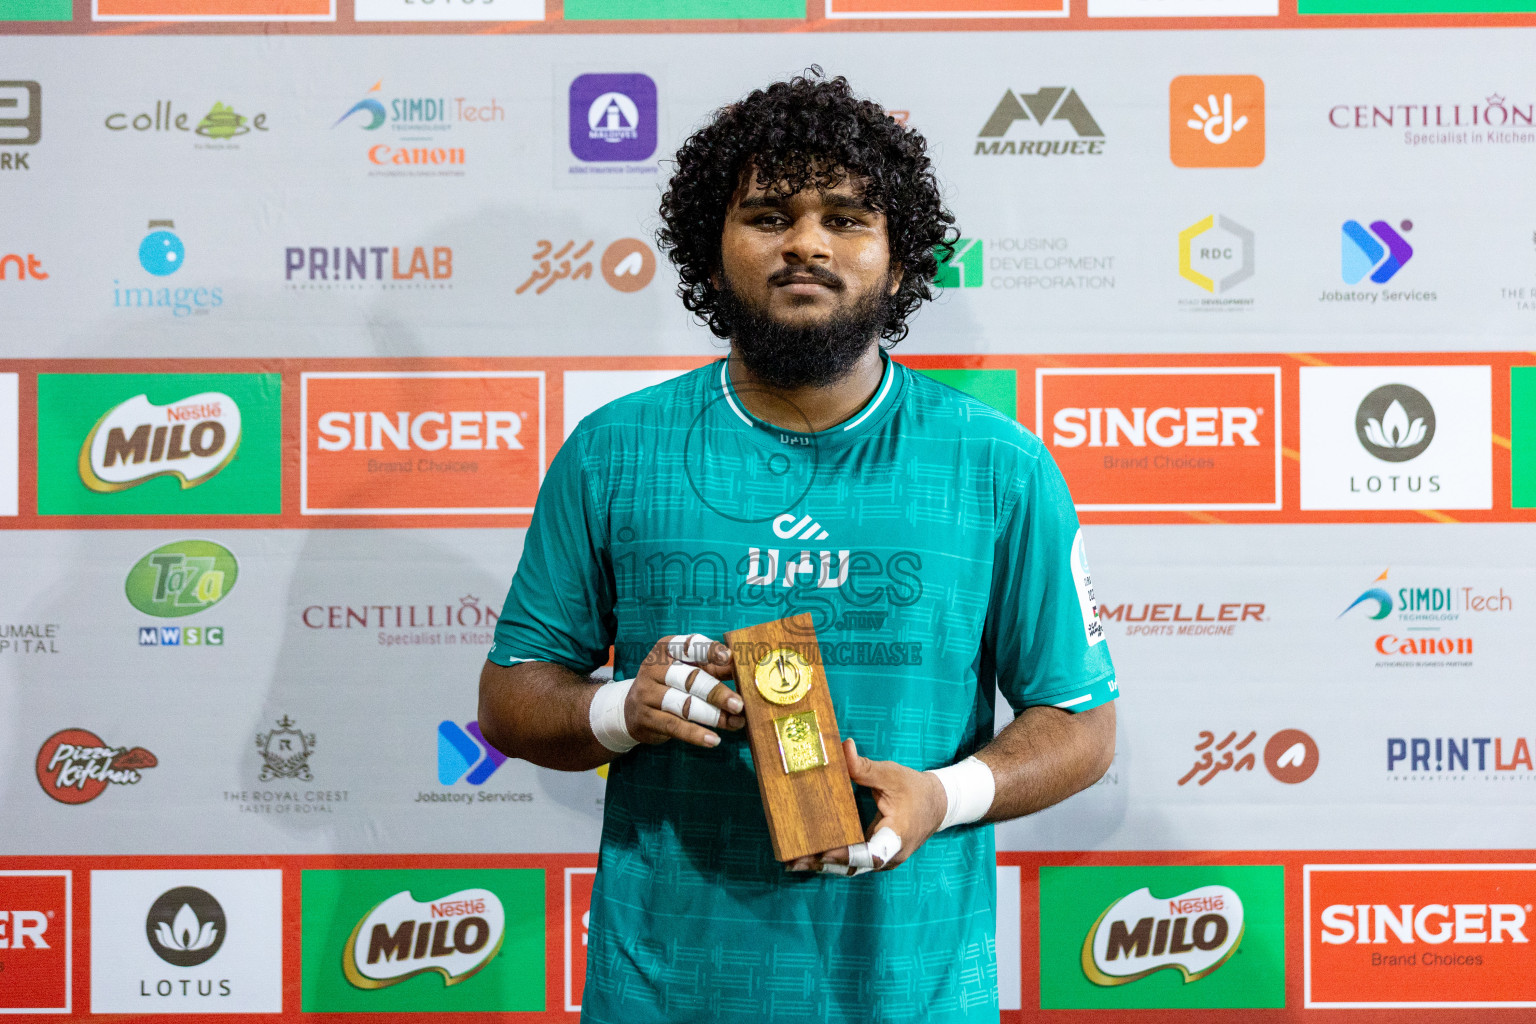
[
  {"x": 425, "y": 431},
  {"x": 1434, "y": 923},
  {"x": 19, "y": 928},
  {"x": 1166, "y": 426}
]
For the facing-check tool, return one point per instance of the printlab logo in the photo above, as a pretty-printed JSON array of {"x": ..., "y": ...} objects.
[
  {"x": 464, "y": 755},
  {"x": 613, "y": 118},
  {"x": 220, "y": 124},
  {"x": 352, "y": 268},
  {"x": 161, "y": 254},
  {"x": 1395, "y": 423},
  {"x": 1380, "y": 252},
  {"x": 1216, "y": 121},
  {"x": 1041, "y": 109},
  {"x": 1290, "y": 756},
  {"x": 960, "y": 266},
  {"x": 21, "y": 122},
  {"x": 185, "y": 926},
  {"x": 1452, "y": 758},
  {"x": 285, "y": 752},
  {"x": 1216, "y": 245},
  {"x": 75, "y": 766},
  {"x": 627, "y": 265}
]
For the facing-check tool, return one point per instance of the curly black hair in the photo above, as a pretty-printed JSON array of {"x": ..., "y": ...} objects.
[{"x": 807, "y": 132}]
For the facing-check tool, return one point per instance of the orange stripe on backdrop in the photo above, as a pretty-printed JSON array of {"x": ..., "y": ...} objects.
[{"x": 213, "y": 8}]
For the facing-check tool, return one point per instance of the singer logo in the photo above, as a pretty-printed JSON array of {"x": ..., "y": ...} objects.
[
  {"x": 422, "y": 443},
  {"x": 35, "y": 941},
  {"x": 137, "y": 440},
  {"x": 1420, "y": 935},
  {"x": 1164, "y": 438}
]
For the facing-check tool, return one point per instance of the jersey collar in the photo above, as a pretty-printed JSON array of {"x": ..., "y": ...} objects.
[{"x": 874, "y": 413}]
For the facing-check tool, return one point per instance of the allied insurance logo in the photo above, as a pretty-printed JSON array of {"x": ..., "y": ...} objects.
[
  {"x": 36, "y": 944},
  {"x": 613, "y": 118},
  {"x": 1211, "y": 936},
  {"x": 1164, "y": 438},
  {"x": 1430, "y": 936},
  {"x": 421, "y": 443},
  {"x": 75, "y": 766},
  {"x": 1216, "y": 121},
  {"x": 1056, "y": 123}
]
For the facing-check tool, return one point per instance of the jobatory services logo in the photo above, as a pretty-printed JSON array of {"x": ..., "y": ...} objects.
[
  {"x": 159, "y": 444},
  {"x": 1396, "y": 437},
  {"x": 963, "y": 266},
  {"x": 463, "y": 755},
  {"x": 427, "y": 443},
  {"x": 216, "y": 129},
  {"x": 1379, "y": 253},
  {"x": 36, "y": 941},
  {"x": 1151, "y": 438},
  {"x": 1216, "y": 254},
  {"x": 1042, "y": 136},
  {"x": 1434, "y": 622},
  {"x": 17, "y": 266},
  {"x": 1431, "y": 936},
  {"x": 1207, "y": 936},
  {"x": 75, "y": 766},
  {"x": 21, "y": 123},
  {"x": 1493, "y": 121},
  {"x": 1216, "y": 121},
  {"x": 162, "y": 253},
  {"x": 178, "y": 579},
  {"x": 429, "y": 940},
  {"x": 327, "y": 268},
  {"x": 418, "y": 135},
  {"x": 186, "y": 941},
  {"x": 627, "y": 264},
  {"x": 1290, "y": 756}
]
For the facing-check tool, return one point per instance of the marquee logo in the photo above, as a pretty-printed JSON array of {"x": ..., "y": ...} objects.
[
  {"x": 75, "y": 766},
  {"x": 425, "y": 443},
  {"x": 1395, "y": 423},
  {"x": 613, "y": 117},
  {"x": 1193, "y": 933},
  {"x": 1216, "y": 121},
  {"x": 36, "y": 943},
  {"x": 185, "y": 926},
  {"x": 191, "y": 440},
  {"x": 456, "y": 936},
  {"x": 181, "y": 578},
  {"x": 1164, "y": 438},
  {"x": 1380, "y": 252},
  {"x": 1049, "y": 104},
  {"x": 962, "y": 266}
]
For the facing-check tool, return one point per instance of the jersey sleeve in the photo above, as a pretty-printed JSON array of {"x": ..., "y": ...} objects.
[
  {"x": 560, "y": 605},
  {"x": 1043, "y": 629}
]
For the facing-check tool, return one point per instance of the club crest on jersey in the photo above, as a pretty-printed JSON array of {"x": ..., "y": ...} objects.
[{"x": 763, "y": 565}]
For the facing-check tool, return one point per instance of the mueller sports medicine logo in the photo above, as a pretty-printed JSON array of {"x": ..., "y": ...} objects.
[
  {"x": 1183, "y": 618},
  {"x": 421, "y": 443},
  {"x": 1040, "y": 111},
  {"x": 1494, "y": 121},
  {"x": 1164, "y": 438},
  {"x": 21, "y": 122},
  {"x": 346, "y": 267},
  {"x": 455, "y": 936},
  {"x": 35, "y": 941},
  {"x": 1216, "y": 121},
  {"x": 1192, "y": 933},
  {"x": 75, "y": 766},
  {"x": 134, "y": 441},
  {"x": 1401, "y": 936}
]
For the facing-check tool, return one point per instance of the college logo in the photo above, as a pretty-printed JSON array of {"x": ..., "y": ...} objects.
[
  {"x": 1380, "y": 252},
  {"x": 1398, "y": 936},
  {"x": 421, "y": 443},
  {"x": 1216, "y": 121},
  {"x": 285, "y": 752},
  {"x": 191, "y": 440},
  {"x": 75, "y": 766},
  {"x": 960, "y": 266},
  {"x": 1216, "y": 255},
  {"x": 613, "y": 117},
  {"x": 221, "y": 123},
  {"x": 35, "y": 941},
  {"x": 1290, "y": 756},
  {"x": 21, "y": 122},
  {"x": 1151, "y": 438},
  {"x": 1162, "y": 937},
  {"x": 627, "y": 265},
  {"x": 182, "y": 578},
  {"x": 431, "y": 940},
  {"x": 1396, "y": 437},
  {"x": 464, "y": 755},
  {"x": 326, "y": 268},
  {"x": 1041, "y": 108},
  {"x": 185, "y": 926}
]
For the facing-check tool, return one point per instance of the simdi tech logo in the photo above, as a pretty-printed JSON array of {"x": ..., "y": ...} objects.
[
  {"x": 186, "y": 941},
  {"x": 1150, "y": 438},
  {"x": 1128, "y": 937},
  {"x": 1057, "y": 123},
  {"x": 428, "y": 443},
  {"x": 159, "y": 444},
  {"x": 75, "y": 766},
  {"x": 1216, "y": 121},
  {"x": 1434, "y": 621},
  {"x": 21, "y": 123},
  {"x": 428, "y": 940},
  {"x": 1396, "y": 437},
  {"x": 1431, "y": 936},
  {"x": 422, "y": 131},
  {"x": 36, "y": 941}
]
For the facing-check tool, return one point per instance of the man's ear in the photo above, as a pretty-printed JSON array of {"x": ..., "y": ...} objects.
[{"x": 897, "y": 276}]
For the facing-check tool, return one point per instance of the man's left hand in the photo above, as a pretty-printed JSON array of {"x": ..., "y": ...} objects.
[{"x": 911, "y": 805}]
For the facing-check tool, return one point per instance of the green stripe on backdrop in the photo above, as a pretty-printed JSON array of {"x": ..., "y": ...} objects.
[{"x": 36, "y": 10}]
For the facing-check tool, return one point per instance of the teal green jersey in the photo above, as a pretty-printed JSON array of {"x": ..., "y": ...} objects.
[{"x": 935, "y": 546}]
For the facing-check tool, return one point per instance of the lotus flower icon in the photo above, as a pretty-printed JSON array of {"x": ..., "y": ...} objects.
[
  {"x": 1395, "y": 423},
  {"x": 186, "y": 926},
  {"x": 185, "y": 932},
  {"x": 1394, "y": 430}
]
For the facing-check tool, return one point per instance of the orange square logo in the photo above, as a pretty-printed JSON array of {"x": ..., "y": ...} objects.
[
  {"x": 1216, "y": 121},
  {"x": 1163, "y": 439},
  {"x": 421, "y": 443}
]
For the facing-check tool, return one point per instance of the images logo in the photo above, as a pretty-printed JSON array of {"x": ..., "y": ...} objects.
[
  {"x": 460, "y": 749},
  {"x": 35, "y": 941},
  {"x": 1215, "y": 251},
  {"x": 285, "y": 752},
  {"x": 75, "y": 767},
  {"x": 962, "y": 267},
  {"x": 161, "y": 254},
  {"x": 1395, "y": 423},
  {"x": 185, "y": 926},
  {"x": 1216, "y": 121},
  {"x": 1195, "y": 931},
  {"x": 613, "y": 117},
  {"x": 182, "y": 578},
  {"x": 1363, "y": 251},
  {"x": 1054, "y": 103},
  {"x": 21, "y": 122}
]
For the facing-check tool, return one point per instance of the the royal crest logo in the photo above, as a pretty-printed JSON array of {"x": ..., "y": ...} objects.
[
  {"x": 456, "y": 936},
  {"x": 136, "y": 440},
  {"x": 75, "y": 766},
  {"x": 1193, "y": 933},
  {"x": 286, "y": 752}
]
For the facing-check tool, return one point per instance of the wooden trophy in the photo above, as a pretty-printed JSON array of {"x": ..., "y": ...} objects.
[{"x": 792, "y": 731}]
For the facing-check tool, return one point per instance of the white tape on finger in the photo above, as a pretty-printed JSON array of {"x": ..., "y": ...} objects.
[
  {"x": 674, "y": 701},
  {"x": 859, "y": 856},
  {"x": 703, "y": 685},
  {"x": 678, "y": 674},
  {"x": 828, "y": 868},
  {"x": 884, "y": 845},
  {"x": 704, "y": 714},
  {"x": 694, "y": 647}
]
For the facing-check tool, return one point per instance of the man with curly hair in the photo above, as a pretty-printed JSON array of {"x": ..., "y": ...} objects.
[{"x": 931, "y": 539}]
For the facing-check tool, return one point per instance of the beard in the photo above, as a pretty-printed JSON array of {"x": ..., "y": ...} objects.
[{"x": 791, "y": 356}]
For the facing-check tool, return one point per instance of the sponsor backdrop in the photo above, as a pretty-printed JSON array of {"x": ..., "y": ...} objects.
[{"x": 298, "y": 298}]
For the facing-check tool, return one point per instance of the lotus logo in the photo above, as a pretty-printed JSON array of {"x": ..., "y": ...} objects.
[
  {"x": 1395, "y": 423},
  {"x": 192, "y": 440},
  {"x": 185, "y": 926},
  {"x": 1193, "y": 933},
  {"x": 456, "y": 936}
]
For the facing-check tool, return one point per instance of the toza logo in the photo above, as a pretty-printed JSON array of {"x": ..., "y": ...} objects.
[
  {"x": 1193, "y": 933},
  {"x": 181, "y": 578},
  {"x": 461, "y": 749},
  {"x": 1380, "y": 252},
  {"x": 185, "y": 926},
  {"x": 1395, "y": 423},
  {"x": 1053, "y": 103},
  {"x": 135, "y": 441},
  {"x": 456, "y": 936},
  {"x": 285, "y": 751}
]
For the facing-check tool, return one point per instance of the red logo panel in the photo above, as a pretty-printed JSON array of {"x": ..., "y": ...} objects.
[{"x": 34, "y": 941}]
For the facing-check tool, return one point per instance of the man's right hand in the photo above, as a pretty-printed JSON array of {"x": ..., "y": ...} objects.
[{"x": 680, "y": 693}]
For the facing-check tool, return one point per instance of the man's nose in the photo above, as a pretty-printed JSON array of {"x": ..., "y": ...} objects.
[{"x": 806, "y": 241}]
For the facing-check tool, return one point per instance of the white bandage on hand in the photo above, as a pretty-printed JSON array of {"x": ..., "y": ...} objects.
[
  {"x": 693, "y": 648},
  {"x": 678, "y": 677},
  {"x": 678, "y": 703},
  {"x": 969, "y": 788},
  {"x": 882, "y": 846},
  {"x": 606, "y": 716}
]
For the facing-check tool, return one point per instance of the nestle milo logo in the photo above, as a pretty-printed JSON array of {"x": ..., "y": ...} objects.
[
  {"x": 181, "y": 578},
  {"x": 1193, "y": 933},
  {"x": 456, "y": 936},
  {"x": 136, "y": 440}
]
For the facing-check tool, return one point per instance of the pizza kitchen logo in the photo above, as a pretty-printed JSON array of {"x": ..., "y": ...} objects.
[
  {"x": 455, "y": 936},
  {"x": 75, "y": 766},
  {"x": 134, "y": 441},
  {"x": 1193, "y": 933}
]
